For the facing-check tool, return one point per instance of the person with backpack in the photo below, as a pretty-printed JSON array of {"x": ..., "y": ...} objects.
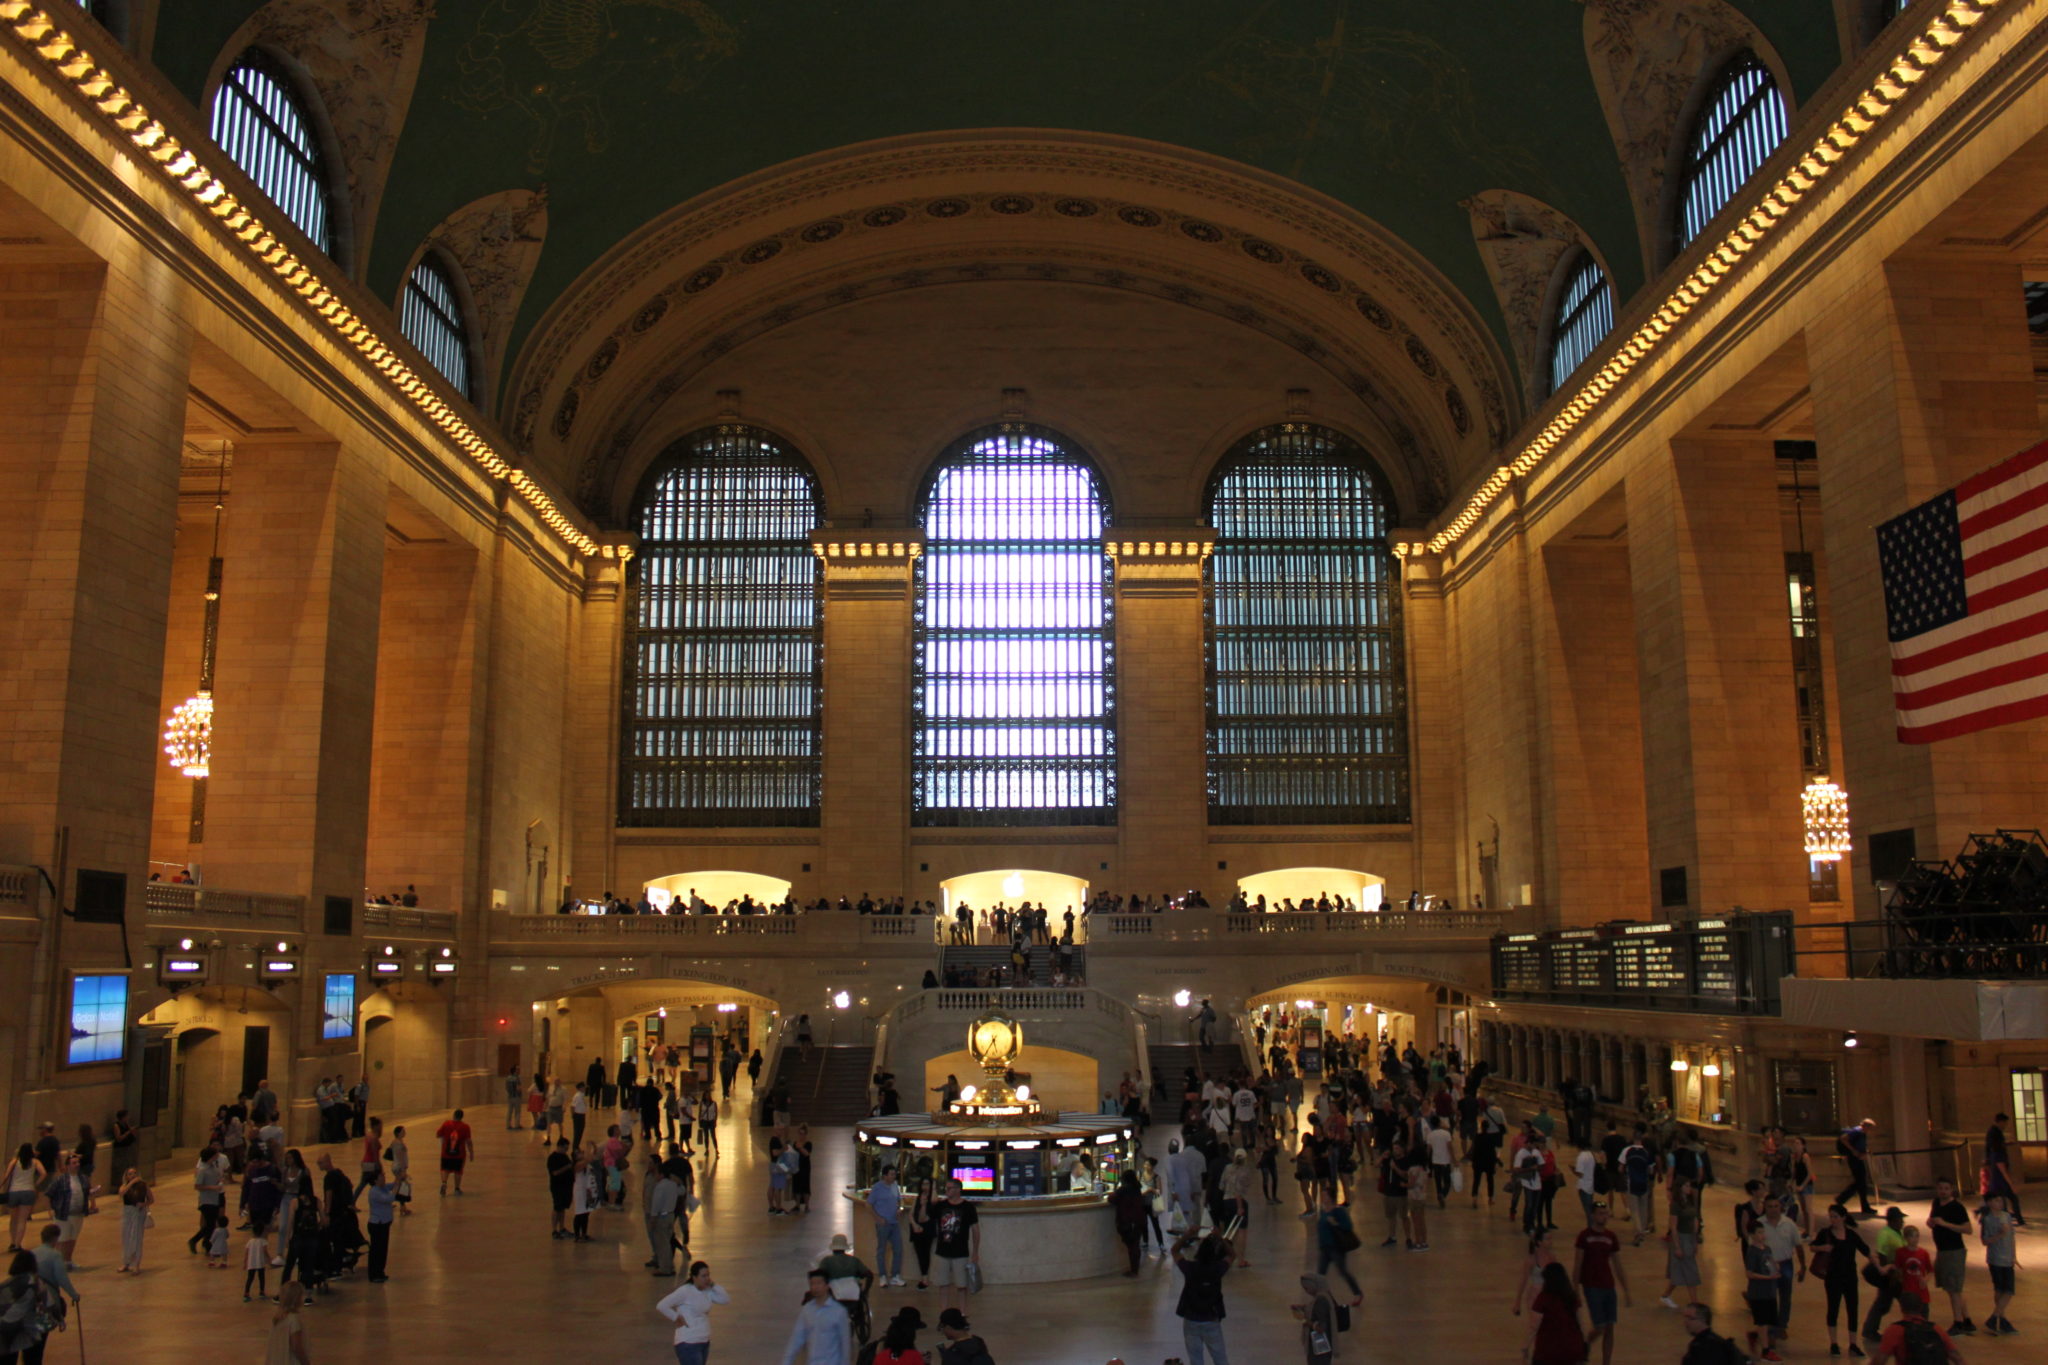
[
  {"x": 1913, "y": 1340},
  {"x": 1205, "y": 1020},
  {"x": 29, "y": 1309},
  {"x": 1706, "y": 1346},
  {"x": 1637, "y": 1175}
]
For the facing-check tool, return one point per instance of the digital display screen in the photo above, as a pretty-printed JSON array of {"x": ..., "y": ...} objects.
[
  {"x": 386, "y": 967},
  {"x": 280, "y": 966},
  {"x": 99, "y": 1019},
  {"x": 183, "y": 966},
  {"x": 976, "y": 1179},
  {"x": 338, "y": 1013}
]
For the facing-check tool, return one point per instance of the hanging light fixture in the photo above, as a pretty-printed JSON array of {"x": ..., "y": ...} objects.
[
  {"x": 1823, "y": 804},
  {"x": 188, "y": 733}
]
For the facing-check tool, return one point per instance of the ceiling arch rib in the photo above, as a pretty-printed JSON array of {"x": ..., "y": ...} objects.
[{"x": 1162, "y": 216}]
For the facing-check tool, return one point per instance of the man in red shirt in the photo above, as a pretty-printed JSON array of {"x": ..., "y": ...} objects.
[
  {"x": 456, "y": 1150},
  {"x": 1896, "y": 1346},
  {"x": 1598, "y": 1272}
]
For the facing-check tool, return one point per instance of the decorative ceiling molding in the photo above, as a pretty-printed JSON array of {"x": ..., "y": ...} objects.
[
  {"x": 363, "y": 59},
  {"x": 1382, "y": 378},
  {"x": 496, "y": 241},
  {"x": 1523, "y": 241},
  {"x": 1061, "y": 188},
  {"x": 1650, "y": 60}
]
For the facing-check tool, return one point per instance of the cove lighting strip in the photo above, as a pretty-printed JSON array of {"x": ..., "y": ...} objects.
[
  {"x": 1922, "y": 55},
  {"x": 61, "y": 52}
]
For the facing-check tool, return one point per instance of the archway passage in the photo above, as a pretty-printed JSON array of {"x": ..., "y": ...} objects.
[
  {"x": 672, "y": 1029},
  {"x": 1014, "y": 886},
  {"x": 225, "y": 1040},
  {"x": 1306, "y": 885},
  {"x": 683, "y": 891},
  {"x": 1311, "y": 1015}
]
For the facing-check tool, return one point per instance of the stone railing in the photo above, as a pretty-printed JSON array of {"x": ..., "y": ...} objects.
[
  {"x": 646, "y": 926},
  {"x": 440, "y": 923},
  {"x": 1021, "y": 1000},
  {"x": 908, "y": 928},
  {"x": 1121, "y": 926},
  {"x": 1419, "y": 924},
  {"x": 176, "y": 902}
]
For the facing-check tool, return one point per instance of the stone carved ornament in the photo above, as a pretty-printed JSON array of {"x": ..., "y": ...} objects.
[
  {"x": 496, "y": 241},
  {"x": 363, "y": 57},
  {"x": 1647, "y": 58},
  {"x": 1523, "y": 241}
]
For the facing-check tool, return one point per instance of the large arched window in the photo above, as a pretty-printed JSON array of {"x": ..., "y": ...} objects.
[
  {"x": 261, "y": 123},
  {"x": 1585, "y": 314},
  {"x": 431, "y": 318},
  {"x": 1739, "y": 126},
  {"x": 1013, "y": 691},
  {"x": 1307, "y": 693},
  {"x": 722, "y": 648}
]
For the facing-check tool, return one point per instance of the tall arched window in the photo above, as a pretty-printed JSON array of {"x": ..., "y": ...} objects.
[
  {"x": 1739, "y": 126},
  {"x": 1013, "y": 689},
  {"x": 261, "y": 124},
  {"x": 722, "y": 647},
  {"x": 1585, "y": 314},
  {"x": 431, "y": 318},
  {"x": 1307, "y": 690}
]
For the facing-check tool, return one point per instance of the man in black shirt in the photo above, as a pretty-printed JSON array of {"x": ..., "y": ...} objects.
[
  {"x": 1706, "y": 1346},
  {"x": 1201, "y": 1292},
  {"x": 1997, "y": 1173},
  {"x": 956, "y": 1244},
  {"x": 561, "y": 1178},
  {"x": 1950, "y": 1222}
]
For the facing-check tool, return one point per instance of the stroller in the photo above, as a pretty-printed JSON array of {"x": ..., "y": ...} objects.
[{"x": 344, "y": 1244}]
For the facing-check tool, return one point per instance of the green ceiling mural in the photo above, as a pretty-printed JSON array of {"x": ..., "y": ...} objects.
[{"x": 624, "y": 108}]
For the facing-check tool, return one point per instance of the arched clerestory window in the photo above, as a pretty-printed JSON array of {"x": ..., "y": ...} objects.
[
  {"x": 1308, "y": 720},
  {"x": 1585, "y": 314},
  {"x": 1740, "y": 124},
  {"x": 260, "y": 121},
  {"x": 721, "y": 676},
  {"x": 432, "y": 319},
  {"x": 1013, "y": 692}
]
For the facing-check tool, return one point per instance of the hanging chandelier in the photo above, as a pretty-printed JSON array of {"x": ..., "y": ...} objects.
[
  {"x": 1825, "y": 808},
  {"x": 188, "y": 735}
]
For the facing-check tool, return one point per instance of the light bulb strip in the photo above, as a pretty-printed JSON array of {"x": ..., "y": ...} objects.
[
  {"x": 181, "y": 167},
  {"x": 1926, "y": 50}
]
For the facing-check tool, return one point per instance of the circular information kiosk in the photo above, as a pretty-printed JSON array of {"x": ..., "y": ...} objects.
[{"x": 1040, "y": 1182}]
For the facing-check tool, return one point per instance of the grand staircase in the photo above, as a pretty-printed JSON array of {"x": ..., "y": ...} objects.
[
  {"x": 830, "y": 1088},
  {"x": 1039, "y": 961}
]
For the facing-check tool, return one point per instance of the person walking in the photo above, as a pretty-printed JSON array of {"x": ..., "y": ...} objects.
[
  {"x": 1705, "y": 1346},
  {"x": 1682, "y": 1245},
  {"x": 1885, "y": 1248},
  {"x": 1336, "y": 1239},
  {"x": 208, "y": 1183},
  {"x": 383, "y": 1203},
  {"x": 23, "y": 1180},
  {"x": 957, "y": 1242},
  {"x": 287, "y": 1345},
  {"x": 1997, "y": 1176},
  {"x": 1555, "y": 1336},
  {"x": 1760, "y": 1292},
  {"x": 371, "y": 1162},
  {"x": 136, "y": 1200},
  {"x": 2000, "y": 1259},
  {"x": 899, "y": 1339},
  {"x": 514, "y": 1098},
  {"x": 1833, "y": 1260},
  {"x": 689, "y": 1307},
  {"x": 823, "y": 1334},
  {"x": 1201, "y": 1308},
  {"x": 707, "y": 1122},
  {"x": 661, "y": 1223},
  {"x": 1129, "y": 1207},
  {"x": 457, "y": 1147},
  {"x": 1853, "y": 1146},
  {"x": 1598, "y": 1272}
]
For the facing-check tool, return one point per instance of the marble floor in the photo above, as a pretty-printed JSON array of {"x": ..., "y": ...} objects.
[{"x": 478, "y": 1278}]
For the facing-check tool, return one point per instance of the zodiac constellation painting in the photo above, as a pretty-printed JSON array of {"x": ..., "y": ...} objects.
[{"x": 558, "y": 64}]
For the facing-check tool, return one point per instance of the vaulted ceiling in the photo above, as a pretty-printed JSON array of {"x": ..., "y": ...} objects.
[{"x": 624, "y": 109}]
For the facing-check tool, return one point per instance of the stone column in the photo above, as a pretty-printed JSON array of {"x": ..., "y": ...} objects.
[
  {"x": 93, "y": 382},
  {"x": 1433, "y": 736},
  {"x": 865, "y": 820},
  {"x": 1921, "y": 376},
  {"x": 1162, "y": 710},
  {"x": 594, "y": 738},
  {"x": 427, "y": 756},
  {"x": 296, "y": 674},
  {"x": 1719, "y": 720}
]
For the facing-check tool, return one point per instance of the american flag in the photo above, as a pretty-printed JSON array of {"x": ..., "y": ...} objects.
[{"x": 1966, "y": 600}]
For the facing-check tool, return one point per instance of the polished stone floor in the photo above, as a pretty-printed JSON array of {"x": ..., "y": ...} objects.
[{"x": 478, "y": 1278}]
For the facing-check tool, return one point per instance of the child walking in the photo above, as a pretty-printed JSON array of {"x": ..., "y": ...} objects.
[
  {"x": 255, "y": 1268},
  {"x": 217, "y": 1247}
]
